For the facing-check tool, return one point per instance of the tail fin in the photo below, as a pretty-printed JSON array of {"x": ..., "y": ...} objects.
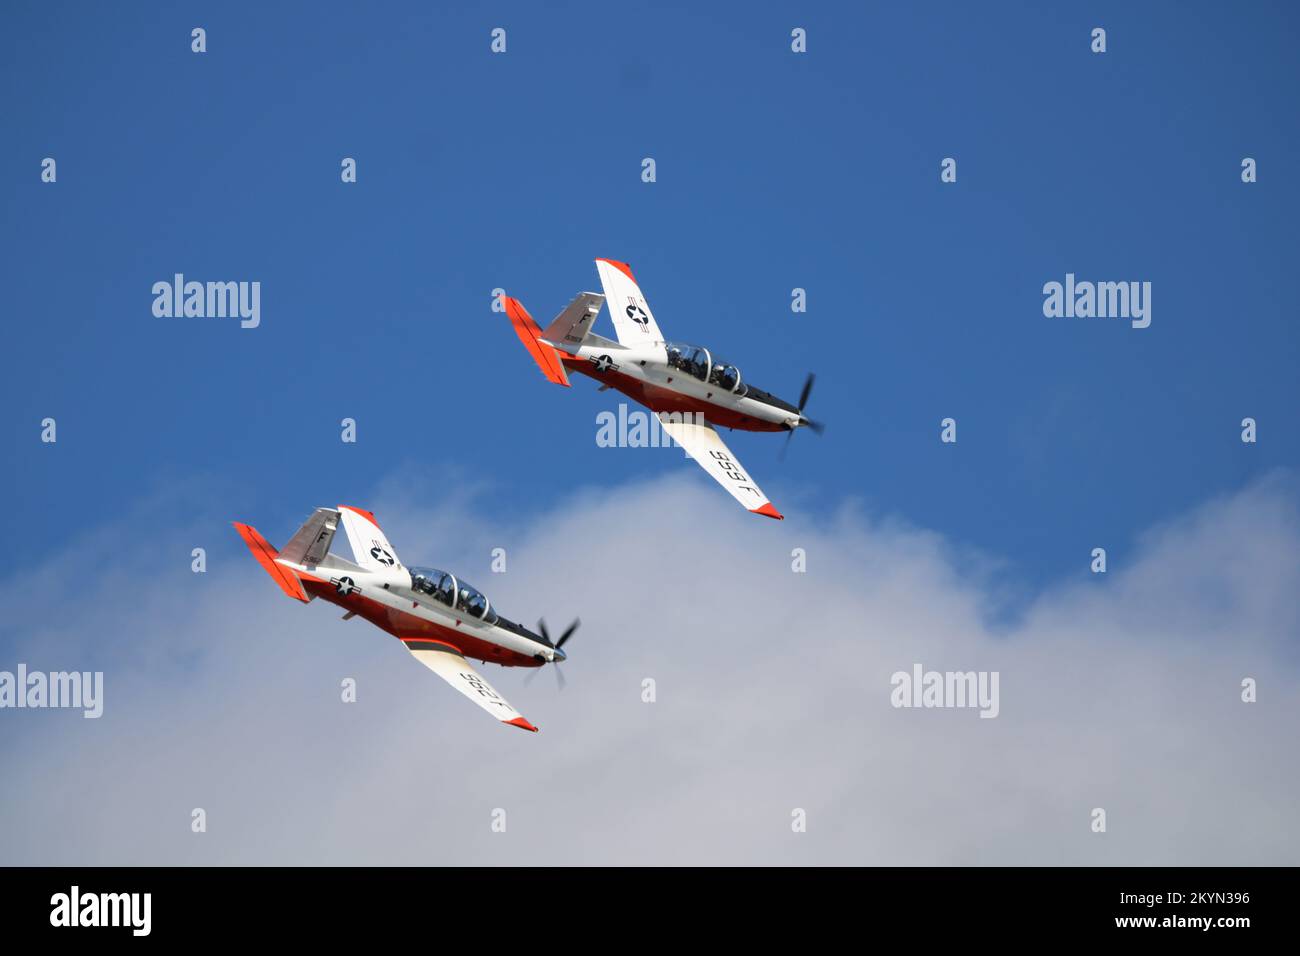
[
  {"x": 312, "y": 542},
  {"x": 547, "y": 359},
  {"x": 570, "y": 328},
  {"x": 266, "y": 556}
]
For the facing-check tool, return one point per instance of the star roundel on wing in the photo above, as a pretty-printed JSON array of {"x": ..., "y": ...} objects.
[
  {"x": 382, "y": 556},
  {"x": 637, "y": 314},
  {"x": 345, "y": 586}
]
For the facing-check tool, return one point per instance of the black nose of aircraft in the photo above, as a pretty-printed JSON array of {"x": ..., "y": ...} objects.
[
  {"x": 568, "y": 633},
  {"x": 557, "y": 654}
]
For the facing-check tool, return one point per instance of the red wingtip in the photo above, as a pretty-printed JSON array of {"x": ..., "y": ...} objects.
[
  {"x": 368, "y": 515},
  {"x": 521, "y": 722},
  {"x": 769, "y": 511},
  {"x": 622, "y": 267}
]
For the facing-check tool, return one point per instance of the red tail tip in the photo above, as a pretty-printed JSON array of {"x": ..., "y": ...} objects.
[
  {"x": 521, "y": 722},
  {"x": 769, "y": 511}
]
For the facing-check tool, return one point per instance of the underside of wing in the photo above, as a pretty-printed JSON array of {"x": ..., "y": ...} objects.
[
  {"x": 705, "y": 445},
  {"x": 445, "y": 661},
  {"x": 634, "y": 323}
]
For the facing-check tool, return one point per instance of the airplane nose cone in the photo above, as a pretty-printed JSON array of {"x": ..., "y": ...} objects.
[{"x": 560, "y": 655}]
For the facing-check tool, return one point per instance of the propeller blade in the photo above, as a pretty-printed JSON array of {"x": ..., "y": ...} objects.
[
  {"x": 559, "y": 678},
  {"x": 532, "y": 675},
  {"x": 569, "y": 633},
  {"x": 817, "y": 427},
  {"x": 541, "y": 627},
  {"x": 807, "y": 390}
]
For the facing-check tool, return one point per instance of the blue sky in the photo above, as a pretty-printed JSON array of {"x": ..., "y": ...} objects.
[{"x": 775, "y": 170}]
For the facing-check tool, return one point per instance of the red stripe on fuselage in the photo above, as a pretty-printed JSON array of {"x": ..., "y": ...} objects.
[
  {"x": 660, "y": 399},
  {"x": 408, "y": 627}
]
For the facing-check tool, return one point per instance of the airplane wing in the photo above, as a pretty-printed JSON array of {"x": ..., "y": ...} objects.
[
  {"x": 634, "y": 324},
  {"x": 369, "y": 546},
  {"x": 447, "y": 663},
  {"x": 705, "y": 445}
]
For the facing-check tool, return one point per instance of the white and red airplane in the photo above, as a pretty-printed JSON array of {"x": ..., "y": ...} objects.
[
  {"x": 688, "y": 387},
  {"x": 440, "y": 618}
]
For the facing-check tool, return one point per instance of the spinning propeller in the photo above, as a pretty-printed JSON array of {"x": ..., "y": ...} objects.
[
  {"x": 568, "y": 633},
  {"x": 817, "y": 427}
]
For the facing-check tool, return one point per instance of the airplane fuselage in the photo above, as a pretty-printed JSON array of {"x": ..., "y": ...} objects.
[
  {"x": 386, "y": 599},
  {"x": 644, "y": 375},
  {"x": 695, "y": 392}
]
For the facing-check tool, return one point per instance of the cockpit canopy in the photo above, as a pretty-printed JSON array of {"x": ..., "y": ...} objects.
[
  {"x": 449, "y": 591},
  {"x": 697, "y": 362}
]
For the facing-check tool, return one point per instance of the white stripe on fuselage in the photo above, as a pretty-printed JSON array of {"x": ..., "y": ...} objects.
[
  {"x": 400, "y": 597},
  {"x": 656, "y": 371}
]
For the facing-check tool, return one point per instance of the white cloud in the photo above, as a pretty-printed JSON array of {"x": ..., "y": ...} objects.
[{"x": 1118, "y": 691}]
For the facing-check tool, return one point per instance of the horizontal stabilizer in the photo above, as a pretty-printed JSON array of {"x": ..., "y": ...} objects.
[
  {"x": 266, "y": 556},
  {"x": 547, "y": 359}
]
